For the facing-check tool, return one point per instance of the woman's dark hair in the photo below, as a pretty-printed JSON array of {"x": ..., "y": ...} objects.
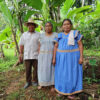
[
  {"x": 67, "y": 20},
  {"x": 49, "y": 23}
]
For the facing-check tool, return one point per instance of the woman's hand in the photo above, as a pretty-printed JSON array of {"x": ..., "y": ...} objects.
[
  {"x": 54, "y": 62},
  {"x": 81, "y": 60},
  {"x": 81, "y": 51}
]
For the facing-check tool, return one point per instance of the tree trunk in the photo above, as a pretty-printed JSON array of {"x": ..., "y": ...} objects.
[
  {"x": 1, "y": 51},
  {"x": 14, "y": 37},
  {"x": 51, "y": 14},
  {"x": 17, "y": 48},
  {"x": 58, "y": 14},
  {"x": 58, "y": 18},
  {"x": 83, "y": 2},
  {"x": 20, "y": 23}
]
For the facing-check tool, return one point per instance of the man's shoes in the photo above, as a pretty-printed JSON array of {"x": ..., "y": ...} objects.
[
  {"x": 34, "y": 83},
  {"x": 27, "y": 85}
]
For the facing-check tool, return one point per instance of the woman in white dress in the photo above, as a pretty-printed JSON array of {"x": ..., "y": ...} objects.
[{"x": 45, "y": 67}]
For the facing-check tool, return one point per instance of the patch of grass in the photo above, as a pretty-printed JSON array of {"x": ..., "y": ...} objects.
[
  {"x": 8, "y": 61},
  {"x": 92, "y": 52},
  {"x": 13, "y": 96}
]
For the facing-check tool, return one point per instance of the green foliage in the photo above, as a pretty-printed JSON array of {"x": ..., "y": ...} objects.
[
  {"x": 90, "y": 80},
  {"x": 92, "y": 62},
  {"x": 98, "y": 5},
  {"x": 6, "y": 12},
  {"x": 92, "y": 52},
  {"x": 94, "y": 14},
  {"x": 45, "y": 11},
  {"x": 9, "y": 60},
  {"x": 91, "y": 34},
  {"x": 13, "y": 96},
  {"x": 56, "y": 3},
  {"x": 66, "y": 7},
  {"x": 76, "y": 11},
  {"x": 1, "y": 0},
  {"x": 93, "y": 79},
  {"x": 16, "y": 4},
  {"x": 3, "y": 22},
  {"x": 4, "y": 34},
  {"x": 83, "y": 17},
  {"x": 29, "y": 13},
  {"x": 37, "y": 4},
  {"x": 98, "y": 90}
]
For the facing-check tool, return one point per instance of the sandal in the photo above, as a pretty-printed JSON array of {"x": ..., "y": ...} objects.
[
  {"x": 59, "y": 95},
  {"x": 39, "y": 87},
  {"x": 71, "y": 97}
]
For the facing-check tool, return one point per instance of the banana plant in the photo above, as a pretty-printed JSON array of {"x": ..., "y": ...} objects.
[
  {"x": 48, "y": 10},
  {"x": 4, "y": 34},
  {"x": 19, "y": 13},
  {"x": 36, "y": 4},
  {"x": 81, "y": 14},
  {"x": 66, "y": 8},
  {"x": 9, "y": 18}
]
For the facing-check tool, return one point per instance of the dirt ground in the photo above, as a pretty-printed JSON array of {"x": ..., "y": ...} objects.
[{"x": 12, "y": 83}]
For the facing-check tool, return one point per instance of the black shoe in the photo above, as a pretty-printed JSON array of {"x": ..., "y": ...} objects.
[
  {"x": 34, "y": 83},
  {"x": 27, "y": 85}
]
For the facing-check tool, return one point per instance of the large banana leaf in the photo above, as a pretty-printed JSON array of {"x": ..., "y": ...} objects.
[
  {"x": 1, "y": 0},
  {"x": 79, "y": 10},
  {"x": 36, "y": 4},
  {"x": 6, "y": 12},
  {"x": 5, "y": 33},
  {"x": 93, "y": 15},
  {"x": 16, "y": 4},
  {"x": 29, "y": 13},
  {"x": 56, "y": 3},
  {"x": 98, "y": 5},
  {"x": 65, "y": 8},
  {"x": 45, "y": 10}
]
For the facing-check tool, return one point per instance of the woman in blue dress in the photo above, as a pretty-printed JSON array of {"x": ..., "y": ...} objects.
[
  {"x": 68, "y": 59},
  {"x": 45, "y": 67}
]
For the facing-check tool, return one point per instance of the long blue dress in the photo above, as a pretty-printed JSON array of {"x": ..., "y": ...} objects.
[{"x": 68, "y": 71}]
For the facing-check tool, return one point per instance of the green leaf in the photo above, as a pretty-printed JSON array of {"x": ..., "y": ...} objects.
[
  {"x": 6, "y": 12},
  {"x": 45, "y": 11},
  {"x": 56, "y": 3},
  {"x": 65, "y": 8},
  {"x": 29, "y": 13},
  {"x": 79, "y": 10},
  {"x": 5, "y": 33},
  {"x": 37, "y": 4},
  {"x": 98, "y": 5},
  {"x": 16, "y": 4},
  {"x": 1, "y": 0},
  {"x": 95, "y": 13},
  {"x": 92, "y": 62}
]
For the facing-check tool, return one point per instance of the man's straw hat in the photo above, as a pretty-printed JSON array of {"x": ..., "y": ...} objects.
[{"x": 32, "y": 22}]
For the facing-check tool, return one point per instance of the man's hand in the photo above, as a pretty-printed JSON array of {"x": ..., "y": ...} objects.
[
  {"x": 21, "y": 58},
  {"x": 21, "y": 54}
]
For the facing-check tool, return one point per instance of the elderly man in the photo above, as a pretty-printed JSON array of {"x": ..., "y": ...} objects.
[{"x": 28, "y": 43}]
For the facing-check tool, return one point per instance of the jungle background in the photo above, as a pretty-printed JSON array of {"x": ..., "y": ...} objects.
[{"x": 85, "y": 15}]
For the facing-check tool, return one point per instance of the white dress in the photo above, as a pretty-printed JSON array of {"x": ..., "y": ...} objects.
[{"x": 45, "y": 67}]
